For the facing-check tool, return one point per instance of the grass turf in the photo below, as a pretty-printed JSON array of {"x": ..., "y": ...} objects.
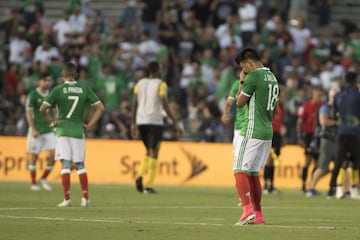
[{"x": 119, "y": 212}]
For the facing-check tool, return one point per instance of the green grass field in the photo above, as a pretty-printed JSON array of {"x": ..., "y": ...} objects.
[{"x": 119, "y": 212}]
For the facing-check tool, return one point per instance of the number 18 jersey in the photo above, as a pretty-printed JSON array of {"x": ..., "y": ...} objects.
[
  {"x": 71, "y": 99},
  {"x": 262, "y": 87}
]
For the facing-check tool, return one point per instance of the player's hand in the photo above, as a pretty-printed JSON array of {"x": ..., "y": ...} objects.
[
  {"x": 87, "y": 126},
  {"x": 178, "y": 130},
  {"x": 35, "y": 133},
  {"x": 53, "y": 123},
  {"x": 225, "y": 118},
  {"x": 301, "y": 142},
  {"x": 134, "y": 131},
  {"x": 242, "y": 75}
]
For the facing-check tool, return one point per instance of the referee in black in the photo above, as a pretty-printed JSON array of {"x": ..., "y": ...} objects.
[{"x": 347, "y": 108}]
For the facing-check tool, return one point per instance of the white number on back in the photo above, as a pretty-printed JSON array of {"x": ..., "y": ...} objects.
[
  {"x": 75, "y": 100},
  {"x": 272, "y": 97}
]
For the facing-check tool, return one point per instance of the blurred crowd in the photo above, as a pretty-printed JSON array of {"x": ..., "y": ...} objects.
[{"x": 195, "y": 41}]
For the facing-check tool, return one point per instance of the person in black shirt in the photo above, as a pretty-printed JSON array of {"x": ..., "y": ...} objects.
[{"x": 347, "y": 107}]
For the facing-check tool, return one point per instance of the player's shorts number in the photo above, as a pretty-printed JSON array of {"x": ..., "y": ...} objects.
[
  {"x": 75, "y": 100},
  {"x": 272, "y": 97}
]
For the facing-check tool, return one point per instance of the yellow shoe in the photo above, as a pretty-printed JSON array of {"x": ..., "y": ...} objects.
[{"x": 65, "y": 203}]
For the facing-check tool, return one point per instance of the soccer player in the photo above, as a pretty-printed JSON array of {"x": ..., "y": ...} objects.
[
  {"x": 239, "y": 114},
  {"x": 305, "y": 127},
  {"x": 41, "y": 136},
  {"x": 71, "y": 99},
  {"x": 328, "y": 146},
  {"x": 150, "y": 98},
  {"x": 347, "y": 105},
  {"x": 260, "y": 95}
]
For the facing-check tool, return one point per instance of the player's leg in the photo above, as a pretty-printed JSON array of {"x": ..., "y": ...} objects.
[
  {"x": 33, "y": 149},
  {"x": 244, "y": 155},
  {"x": 63, "y": 153},
  {"x": 144, "y": 164},
  {"x": 49, "y": 143},
  {"x": 354, "y": 176},
  {"x": 326, "y": 152},
  {"x": 338, "y": 173},
  {"x": 263, "y": 148},
  {"x": 78, "y": 149},
  {"x": 308, "y": 158},
  {"x": 154, "y": 146}
]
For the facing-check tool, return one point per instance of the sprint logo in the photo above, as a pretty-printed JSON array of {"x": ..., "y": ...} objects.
[{"x": 197, "y": 166}]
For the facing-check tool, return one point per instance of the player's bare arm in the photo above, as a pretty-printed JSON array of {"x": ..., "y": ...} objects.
[
  {"x": 168, "y": 111},
  {"x": 134, "y": 130},
  {"x": 99, "y": 110},
  {"x": 30, "y": 121},
  {"x": 298, "y": 131},
  {"x": 225, "y": 118},
  {"x": 43, "y": 110}
]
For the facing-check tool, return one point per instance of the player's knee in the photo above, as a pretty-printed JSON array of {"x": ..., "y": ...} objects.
[
  {"x": 66, "y": 164},
  {"x": 80, "y": 165}
]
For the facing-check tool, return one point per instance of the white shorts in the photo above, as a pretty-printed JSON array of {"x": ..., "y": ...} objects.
[
  {"x": 43, "y": 142},
  {"x": 235, "y": 139},
  {"x": 70, "y": 149},
  {"x": 250, "y": 154}
]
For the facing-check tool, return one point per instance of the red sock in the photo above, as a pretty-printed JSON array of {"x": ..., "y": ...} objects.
[
  {"x": 32, "y": 169},
  {"x": 255, "y": 188},
  {"x": 65, "y": 181},
  {"x": 243, "y": 187},
  {"x": 33, "y": 177},
  {"x": 84, "y": 183},
  {"x": 46, "y": 172}
]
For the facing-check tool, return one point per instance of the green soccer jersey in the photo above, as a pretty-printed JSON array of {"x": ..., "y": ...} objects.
[
  {"x": 240, "y": 112},
  {"x": 34, "y": 100},
  {"x": 262, "y": 87},
  {"x": 71, "y": 99}
]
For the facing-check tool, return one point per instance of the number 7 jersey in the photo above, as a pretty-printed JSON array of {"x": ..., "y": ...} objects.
[
  {"x": 71, "y": 100},
  {"x": 262, "y": 87}
]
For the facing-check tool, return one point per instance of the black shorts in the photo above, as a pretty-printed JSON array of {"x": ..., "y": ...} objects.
[
  {"x": 276, "y": 143},
  {"x": 349, "y": 144},
  {"x": 151, "y": 135},
  {"x": 311, "y": 145}
]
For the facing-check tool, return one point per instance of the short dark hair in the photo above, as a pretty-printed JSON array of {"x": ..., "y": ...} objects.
[
  {"x": 351, "y": 77},
  {"x": 153, "y": 68},
  {"x": 247, "y": 54},
  {"x": 70, "y": 70},
  {"x": 44, "y": 75}
]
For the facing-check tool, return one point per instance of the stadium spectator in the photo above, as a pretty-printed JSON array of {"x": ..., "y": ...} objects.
[
  {"x": 150, "y": 99},
  {"x": 71, "y": 99},
  {"x": 247, "y": 14}
]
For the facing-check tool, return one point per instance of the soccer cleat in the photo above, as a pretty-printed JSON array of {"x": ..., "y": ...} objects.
[
  {"x": 330, "y": 193},
  {"x": 246, "y": 218},
  {"x": 257, "y": 221},
  {"x": 35, "y": 187},
  {"x": 45, "y": 184},
  {"x": 65, "y": 203},
  {"x": 354, "y": 193},
  {"x": 340, "y": 192},
  {"x": 149, "y": 191},
  {"x": 139, "y": 185},
  {"x": 84, "y": 202},
  {"x": 266, "y": 191},
  {"x": 312, "y": 193}
]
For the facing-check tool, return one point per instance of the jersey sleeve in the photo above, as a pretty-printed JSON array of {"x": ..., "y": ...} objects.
[
  {"x": 30, "y": 104},
  {"x": 163, "y": 89},
  {"x": 92, "y": 98},
  {"x": 136, "y": 89},
  {"x": 234, "y": 89},
  {"x": 50, "y": 99},
  {"x": 324, "y": 110},
  {"x": 249, "y": 84}
]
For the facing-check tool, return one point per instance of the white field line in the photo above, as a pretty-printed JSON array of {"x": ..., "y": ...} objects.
[
  {"x": 165, "y": 207},
  {"x": 138, "y": 221}
]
